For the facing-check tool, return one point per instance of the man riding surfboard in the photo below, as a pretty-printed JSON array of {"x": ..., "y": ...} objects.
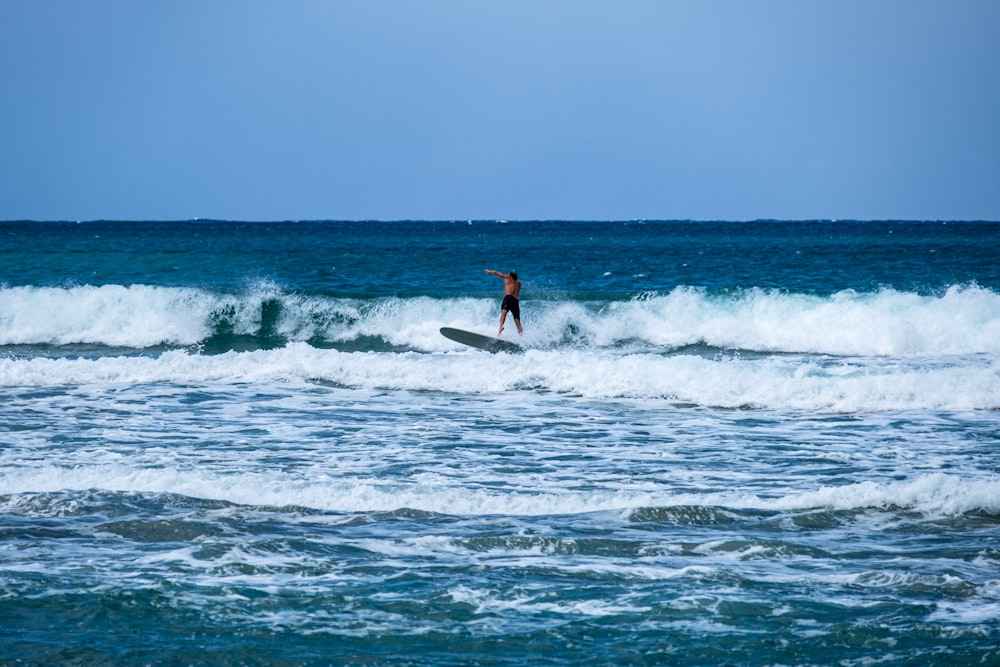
[{"x": 511, "y": 296}]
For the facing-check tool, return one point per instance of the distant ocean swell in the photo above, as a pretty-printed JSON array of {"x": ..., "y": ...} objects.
[{"x": 960, "y": 320}]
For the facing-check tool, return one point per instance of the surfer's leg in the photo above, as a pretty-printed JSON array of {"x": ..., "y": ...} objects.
[
  {"x": 515, "y": 310},
  {"x": 503, "y": 316}
]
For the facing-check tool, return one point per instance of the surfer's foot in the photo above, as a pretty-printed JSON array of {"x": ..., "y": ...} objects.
[{"x": 500, "y": 332}]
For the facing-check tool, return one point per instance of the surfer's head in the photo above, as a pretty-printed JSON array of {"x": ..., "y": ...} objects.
[{"x": 513, "y": 274}]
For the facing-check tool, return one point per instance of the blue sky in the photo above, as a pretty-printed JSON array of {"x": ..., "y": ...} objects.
[{"x": 522, "y": 109}]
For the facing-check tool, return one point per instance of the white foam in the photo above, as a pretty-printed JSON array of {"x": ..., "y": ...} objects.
[
  {"x": 777, "y": 382},
  {"x": 933, "y": 494},
  {"x": 279, "y": 489},
  {"x": 971, "y": 612},
  {"x": 962, "y": 320},
  {"x": 136, "y": 316}
]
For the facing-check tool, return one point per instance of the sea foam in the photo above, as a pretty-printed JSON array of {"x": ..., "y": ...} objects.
[
  {"x": 961, "y": 320},
  {"x": 781, "y": 382},
  {"x": 934, "y": 494}
]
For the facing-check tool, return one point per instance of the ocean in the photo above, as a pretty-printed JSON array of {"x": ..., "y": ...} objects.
[{"x": 725, "y": 443}]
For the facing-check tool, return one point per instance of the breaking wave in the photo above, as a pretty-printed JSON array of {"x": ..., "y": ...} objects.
[{"x": 961, "y": 320}]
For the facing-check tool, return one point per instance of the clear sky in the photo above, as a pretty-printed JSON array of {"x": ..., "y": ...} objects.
[{"x": 513, "y": 109}]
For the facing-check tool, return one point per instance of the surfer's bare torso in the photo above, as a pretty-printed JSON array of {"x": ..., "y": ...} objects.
[{"x": 511, "y": 297}]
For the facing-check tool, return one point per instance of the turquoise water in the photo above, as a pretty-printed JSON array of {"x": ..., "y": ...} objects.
[{"x": 727, "y": 443}]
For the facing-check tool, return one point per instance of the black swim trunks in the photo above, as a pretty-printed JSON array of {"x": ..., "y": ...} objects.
[{"x": 511, "y": 305}]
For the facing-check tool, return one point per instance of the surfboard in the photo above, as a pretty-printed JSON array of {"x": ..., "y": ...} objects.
[{"x": 480, "y": 341}]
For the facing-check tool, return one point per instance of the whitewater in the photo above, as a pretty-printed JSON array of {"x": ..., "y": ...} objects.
[
  {"x": 723, "y": 443},
  {"x": 962, "y": 320},
  {"x": 763, "y": 348}
]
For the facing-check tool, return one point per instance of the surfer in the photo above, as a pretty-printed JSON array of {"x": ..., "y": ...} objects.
[{"x": 511, "y": 294}]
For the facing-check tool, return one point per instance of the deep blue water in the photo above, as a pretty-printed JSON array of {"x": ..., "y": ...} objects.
[
  {"x": 375, "y": 259},
  {"x": 726, "y": 443}
]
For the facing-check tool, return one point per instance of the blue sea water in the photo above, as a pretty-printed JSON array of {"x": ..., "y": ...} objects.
[{"x": 767, "y": 443}]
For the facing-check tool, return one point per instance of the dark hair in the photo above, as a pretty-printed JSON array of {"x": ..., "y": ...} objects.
[{"x": 513, "y": 274}]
